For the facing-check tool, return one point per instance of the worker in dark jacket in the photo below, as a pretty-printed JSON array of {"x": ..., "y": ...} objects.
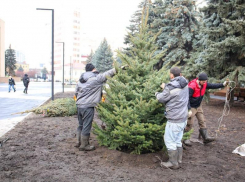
[
  {"x": 197, "y": 88},
  {"x": 26, "y": 81},
  {"x": 11, "y": 83},
  {"x": 88, "y": 94}
]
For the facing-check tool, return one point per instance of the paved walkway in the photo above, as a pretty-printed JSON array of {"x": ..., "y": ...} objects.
[{"x": 14, "y": 102}]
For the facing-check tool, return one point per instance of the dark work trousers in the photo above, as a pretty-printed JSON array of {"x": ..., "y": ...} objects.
[
  {"x": 85, "y": 119},
  {"x": 26, "y": 87}
]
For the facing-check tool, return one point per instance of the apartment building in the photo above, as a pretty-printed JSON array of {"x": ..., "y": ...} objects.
[
  {"x": 68, "y": 30},
  {"x": 2, "y": 48}
]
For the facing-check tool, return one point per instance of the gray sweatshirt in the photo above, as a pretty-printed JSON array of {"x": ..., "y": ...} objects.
[
  {"x": 175, "y": 96},
  {"x": 89, "y": 88}
]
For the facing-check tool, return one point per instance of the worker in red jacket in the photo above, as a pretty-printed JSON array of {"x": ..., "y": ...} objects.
[{"x": 197, "y": 88}]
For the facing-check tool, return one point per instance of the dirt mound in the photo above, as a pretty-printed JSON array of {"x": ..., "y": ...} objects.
[{"x": 42, "y": 149}]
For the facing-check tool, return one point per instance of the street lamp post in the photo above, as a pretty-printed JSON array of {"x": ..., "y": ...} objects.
[
  {"x": 70, "y": 70},
  {"x": 63, "y": 64},
  {"x": 52, "y": 49}
]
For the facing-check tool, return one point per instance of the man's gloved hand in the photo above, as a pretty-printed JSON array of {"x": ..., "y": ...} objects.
[
  {"x": 189, "y": 113},
  {"x": 163, "y": 85},
  {"x": 124, "y": 67},
  {"x": 225, "y": 83}
]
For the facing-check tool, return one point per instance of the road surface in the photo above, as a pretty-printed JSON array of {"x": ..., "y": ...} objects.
[{"x": 14, "y": 102}]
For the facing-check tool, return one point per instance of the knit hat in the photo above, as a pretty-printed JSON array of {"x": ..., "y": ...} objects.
[
  {"x": 89, "y": 67},
  {"x": 202, "y": 76},
  {"x": 175, "y": 71}
]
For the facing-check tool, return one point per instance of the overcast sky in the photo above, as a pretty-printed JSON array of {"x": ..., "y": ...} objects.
[{"x": 29, "y": 30}]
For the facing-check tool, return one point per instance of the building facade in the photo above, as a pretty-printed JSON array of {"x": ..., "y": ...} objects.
[
  {"x": 23, "y": 65},
  {"x": 2, "y": 48},
  {"x": 68, "y": 30},
  {"x": 20, "y": 56}
]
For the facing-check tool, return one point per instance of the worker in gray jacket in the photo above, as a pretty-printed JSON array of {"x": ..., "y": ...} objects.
[
  {"x": 88, "y": 94},
  {"x": 175, "y": 96}
]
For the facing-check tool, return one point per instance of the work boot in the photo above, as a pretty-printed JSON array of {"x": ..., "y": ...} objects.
[
  {"x": 180, "y": 154},
  {"x": 172, "y": 162},
  {"x": 204, "y": 134},
  {"x": 79, "y": 139},
  {"x": 187, "y": 142},
  {"x": 85, "y": 144}
]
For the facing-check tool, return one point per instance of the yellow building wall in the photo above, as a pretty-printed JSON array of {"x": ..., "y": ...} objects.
[{"x": 24, "y": 66}]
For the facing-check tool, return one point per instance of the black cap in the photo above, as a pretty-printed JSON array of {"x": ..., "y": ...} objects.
[
  {"x": 175, "y": 71},
  {"x": 89, "y": 67},
  {"x": 202, "y": 76}
]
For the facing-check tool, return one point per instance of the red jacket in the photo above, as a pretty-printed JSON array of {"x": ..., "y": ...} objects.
[{"x": 196, "y": 93}]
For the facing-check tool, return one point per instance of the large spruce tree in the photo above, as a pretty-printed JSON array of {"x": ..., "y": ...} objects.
[
  {"x": 136, "y": 19},
  {"x": 158, "y": 11},
  {"x": 102, "y": 59},
  {"x": 220, "y": 51},
  {"x": 133, "y": 117},
  {"x": 179, "y": 25},
  {"x": 135, "y": 22},
  {"x": 10, "y": 61},
  {"x": 90, "y": 57}
]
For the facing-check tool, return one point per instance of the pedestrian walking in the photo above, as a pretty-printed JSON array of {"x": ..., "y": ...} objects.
[
  {"x": 88, "y": 93},
  {"x": 197, "y": 88},
  {"x": 175, "y": 97},
  {"x": 11, "y": 84},
  {"x": 26, "y": 81}
]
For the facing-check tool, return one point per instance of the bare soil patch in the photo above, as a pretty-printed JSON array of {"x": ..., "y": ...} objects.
[{"x": 42, "y": 149}]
